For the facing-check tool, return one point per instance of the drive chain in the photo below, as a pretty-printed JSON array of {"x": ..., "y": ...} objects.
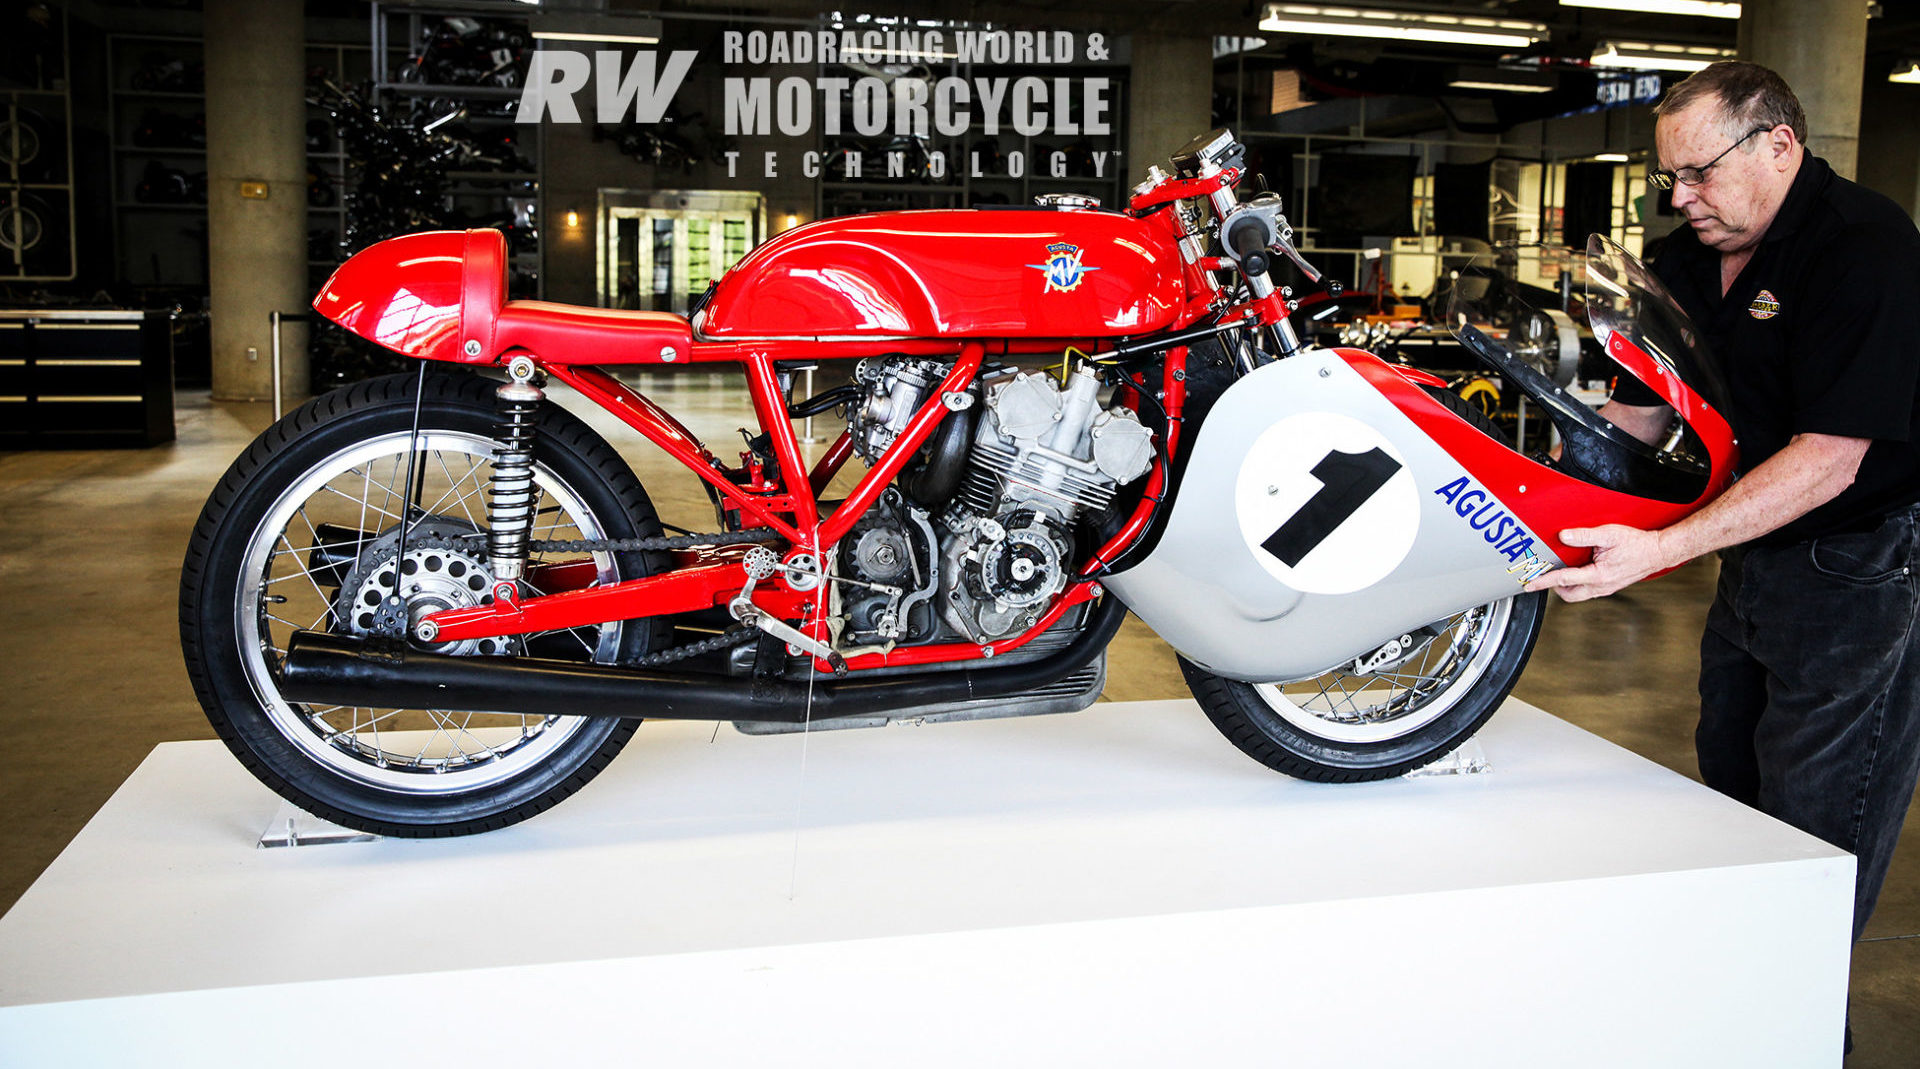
[
  {"x": 633, "y": 545},
  {"x": 724, "y": 640}
]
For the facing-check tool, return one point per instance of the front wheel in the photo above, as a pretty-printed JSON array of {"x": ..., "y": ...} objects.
[{"x": 1346, "y": 725}]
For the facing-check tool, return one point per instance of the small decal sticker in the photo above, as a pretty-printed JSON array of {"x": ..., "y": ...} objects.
[
  {"x": 1326, "y": 504},
  {"x": 1063, "y": 268},
  {"x": 1529, "y": 568},
  {"x": 1764, "y": 306}
]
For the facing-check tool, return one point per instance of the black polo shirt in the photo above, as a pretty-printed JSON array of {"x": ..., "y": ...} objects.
[{"x": 1820, "y": 334}]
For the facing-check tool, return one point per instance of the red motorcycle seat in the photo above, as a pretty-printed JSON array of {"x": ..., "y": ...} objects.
[
  {"x": 571, "y": 334},
  {"x": 556, "y": 333}
]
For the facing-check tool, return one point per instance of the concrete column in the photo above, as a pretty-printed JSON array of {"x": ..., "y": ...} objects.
[
  {"x": 1818, "y": 46},
  {"x": 1170, "y": 97},
  {"x": 1890, "y": 140},
  {"x": 256, "y": 133}
]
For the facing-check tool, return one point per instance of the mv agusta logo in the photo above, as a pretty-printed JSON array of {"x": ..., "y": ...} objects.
[{"x": 1063, "y": 267}]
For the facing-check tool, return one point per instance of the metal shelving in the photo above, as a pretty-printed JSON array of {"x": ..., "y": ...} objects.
[
  {"x": 397, "y": 30},
  {"x": 37, "y": 234}
]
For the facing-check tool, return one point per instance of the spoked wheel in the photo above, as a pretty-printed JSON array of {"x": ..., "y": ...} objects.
[
  {"x": 1405, "y": 708},
  {"x": 304, "y": 533}
]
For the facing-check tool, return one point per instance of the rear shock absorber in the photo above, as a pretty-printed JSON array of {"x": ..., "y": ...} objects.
[{"x": 510, "y": 493}]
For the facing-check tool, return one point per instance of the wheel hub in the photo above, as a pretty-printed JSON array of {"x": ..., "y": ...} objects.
[{"x": 442, "y": 569}]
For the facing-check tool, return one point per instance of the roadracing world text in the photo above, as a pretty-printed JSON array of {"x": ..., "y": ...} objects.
[{"x": 888, "y": 91}]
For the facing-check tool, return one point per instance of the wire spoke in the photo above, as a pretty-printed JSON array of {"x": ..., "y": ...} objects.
[
  {"x": 393, "y": 741},
  {"x": 453, "y": 489},
  {"x": 380, "y": 508},
  {"x": 454, "y": 484}
]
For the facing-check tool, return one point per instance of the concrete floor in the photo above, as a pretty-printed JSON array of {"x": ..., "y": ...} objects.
[{"x": 91, "y": 678}]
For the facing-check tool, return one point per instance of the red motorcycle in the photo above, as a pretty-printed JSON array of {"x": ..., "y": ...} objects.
[{"x": 437, "y": 604}]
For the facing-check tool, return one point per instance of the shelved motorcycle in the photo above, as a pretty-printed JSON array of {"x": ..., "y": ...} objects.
[{"x": 437, "y": 603}]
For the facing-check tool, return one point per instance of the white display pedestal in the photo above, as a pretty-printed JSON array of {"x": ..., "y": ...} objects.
[{"x": 1115, "y": 887}]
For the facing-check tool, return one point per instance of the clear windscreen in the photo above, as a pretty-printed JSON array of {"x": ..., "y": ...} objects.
[
  {"x": 1624, "y": 296},
  {"x": 1516, "y": 312},
  {"x": 1516, "y": 299}
]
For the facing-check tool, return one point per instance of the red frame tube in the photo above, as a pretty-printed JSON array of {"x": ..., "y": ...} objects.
[
  {"x": 794, "y": 516},
  {"x": 830, "y": 464},
  {"x": 659, "y": 427},
  {"x": 919, "y": 429}
]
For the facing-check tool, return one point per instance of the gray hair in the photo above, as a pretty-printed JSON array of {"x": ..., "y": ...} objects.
[{"x": 1747, "y": 95}]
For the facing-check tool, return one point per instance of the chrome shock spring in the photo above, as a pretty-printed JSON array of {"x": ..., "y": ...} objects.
[{"x": 510, "y": 492}]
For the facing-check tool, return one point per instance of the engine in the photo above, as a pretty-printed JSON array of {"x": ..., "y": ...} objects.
[
  {"x": 892, "y": 392},
  {"x": 982, "y": 528}
]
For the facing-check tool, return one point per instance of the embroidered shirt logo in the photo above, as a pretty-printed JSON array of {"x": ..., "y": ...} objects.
[
  {"x": 1764, "y": 306},
  {"x": 1063, "y": 267}
]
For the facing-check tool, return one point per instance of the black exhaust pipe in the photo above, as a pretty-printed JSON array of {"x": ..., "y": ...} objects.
[{"x": 327, "y": 669}]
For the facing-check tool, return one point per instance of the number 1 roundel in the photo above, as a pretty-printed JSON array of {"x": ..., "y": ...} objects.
[{"x": 1326, "y": 503}]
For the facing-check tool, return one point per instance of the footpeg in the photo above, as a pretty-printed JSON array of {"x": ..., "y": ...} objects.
[{"x": 761, "y": 563}]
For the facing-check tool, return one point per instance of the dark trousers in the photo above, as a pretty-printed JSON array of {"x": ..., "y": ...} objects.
[{"x": 1810, "y": 689}]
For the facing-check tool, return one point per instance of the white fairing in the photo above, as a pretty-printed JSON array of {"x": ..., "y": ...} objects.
[{"x": 1315, "y": 523}]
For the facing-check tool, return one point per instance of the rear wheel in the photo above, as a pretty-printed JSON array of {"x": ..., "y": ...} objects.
[{"x": 302, "y": 533}]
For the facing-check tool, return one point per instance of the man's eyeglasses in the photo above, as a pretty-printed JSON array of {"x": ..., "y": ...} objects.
[{"x": 1693, "y": 176}]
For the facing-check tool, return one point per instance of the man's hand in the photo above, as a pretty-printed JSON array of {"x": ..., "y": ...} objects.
[
  {"x": 1622, "y": 556},
  {"x": 1809, "y": 472}
]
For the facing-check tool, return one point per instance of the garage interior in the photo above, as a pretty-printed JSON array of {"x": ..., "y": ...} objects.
[{"x": 140, "y": 217}]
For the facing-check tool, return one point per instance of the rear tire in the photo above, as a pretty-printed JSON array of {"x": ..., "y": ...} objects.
[{"x": 251, "y": 577}]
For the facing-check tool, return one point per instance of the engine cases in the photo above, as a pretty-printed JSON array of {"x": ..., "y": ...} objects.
[
  {"x": 953, "y": 273},
  {"x": 1316, "y": 522}
]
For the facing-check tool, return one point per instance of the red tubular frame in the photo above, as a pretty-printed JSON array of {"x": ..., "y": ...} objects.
[
  {"x": 702, "y": 581},
  {"x": 919, "y": 429},
  {"x": 787, "y": 499},
  {"x": 794, "y": 517}
]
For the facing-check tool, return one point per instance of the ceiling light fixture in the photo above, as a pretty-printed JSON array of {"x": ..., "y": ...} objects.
[
  {"x": 1611, "y": 157},
  {"x": 1907, "y": 72},
  {"x": 1401, "y": 26},
  {"x": 612, "y": 29},
  {"x": 1706, "y": 9},
  {"x": 1631, "y": 55},
  {"x": 1498, "y": 87}
]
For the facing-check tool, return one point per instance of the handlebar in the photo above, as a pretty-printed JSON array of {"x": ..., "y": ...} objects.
[
  {"x": 1248, "y": 240},
  {"x": 1251, "y": 233}
]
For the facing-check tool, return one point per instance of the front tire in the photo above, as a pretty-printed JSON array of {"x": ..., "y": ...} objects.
[
  {"x": 252, "y": 576},
  {"x": 1344, "y": 727}
]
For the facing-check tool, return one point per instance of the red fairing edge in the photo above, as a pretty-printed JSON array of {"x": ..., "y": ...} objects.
[{"x": 1546, "y": 500}]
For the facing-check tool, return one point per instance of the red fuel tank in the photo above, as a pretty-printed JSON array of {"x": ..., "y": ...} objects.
[{"x": 972, "y": 272}]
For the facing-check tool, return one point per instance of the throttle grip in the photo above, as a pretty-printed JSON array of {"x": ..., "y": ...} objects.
[{"x": 1248, "y": 240}]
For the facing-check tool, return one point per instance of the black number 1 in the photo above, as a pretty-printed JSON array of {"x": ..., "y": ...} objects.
[{"x": 1347, "y": 480}]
